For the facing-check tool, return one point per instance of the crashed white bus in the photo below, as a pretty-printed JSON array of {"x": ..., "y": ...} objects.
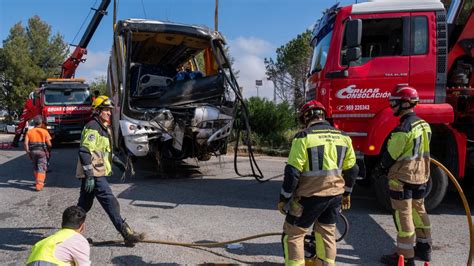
[{"x": 173, "y": 90}]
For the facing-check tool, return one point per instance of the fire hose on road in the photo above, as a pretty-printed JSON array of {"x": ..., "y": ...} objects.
[
  {"x": 465, "y": 204},
  {"x": 218, "y": 244},
  {"x": 209, "y": 245}
]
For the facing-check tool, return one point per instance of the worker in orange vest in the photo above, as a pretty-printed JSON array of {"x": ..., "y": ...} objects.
[
  {"x": 37, "y": 142},
  {"x": 31, "y": 109}
]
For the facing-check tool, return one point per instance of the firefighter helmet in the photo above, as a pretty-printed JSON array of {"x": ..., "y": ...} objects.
[
  {"x": 405, "y": 94},
  {"x": 309, "y": 110},
  {"x": 402, "y": 96},
  {"x": 102, "y": 102}
]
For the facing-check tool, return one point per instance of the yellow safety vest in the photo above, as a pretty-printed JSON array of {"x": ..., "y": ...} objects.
[
  {"x": 321, "y": 153},
  {"x": 44, "y": 250}
]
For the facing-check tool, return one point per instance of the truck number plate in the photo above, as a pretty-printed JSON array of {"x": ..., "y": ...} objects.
[{"x": 74, "y": 132}]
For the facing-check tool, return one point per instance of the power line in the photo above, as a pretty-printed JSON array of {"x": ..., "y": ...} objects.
[
  {"x": 83, "y": 22},
  {"x": 143, "y": 7}
]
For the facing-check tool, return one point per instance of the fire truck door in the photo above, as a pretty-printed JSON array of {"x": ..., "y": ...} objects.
[
  {"x": 383, "y": 64},
  {"x": 423, "y": 55}
]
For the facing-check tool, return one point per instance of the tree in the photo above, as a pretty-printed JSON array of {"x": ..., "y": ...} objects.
[
  {"x": 99, "y": 84},
  {"x": 288, "y": 72},
  {"x": 269, "y": 120},
  {"x": 29, "y": 55}
]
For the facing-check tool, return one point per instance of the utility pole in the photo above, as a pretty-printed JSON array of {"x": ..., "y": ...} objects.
[
  {"x": 216, "y": 16},
  {"x": 274, "y": 94}
]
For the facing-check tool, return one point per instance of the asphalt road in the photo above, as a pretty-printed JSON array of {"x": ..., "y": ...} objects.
[{"x": 202, "y": 202}]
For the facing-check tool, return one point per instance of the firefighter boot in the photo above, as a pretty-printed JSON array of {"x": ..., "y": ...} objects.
[
  {"x": 15, "y": 141},
  {"x": 392, "y": 260},
  {"x": 130, "y": 238},
  {"x": 423, "y": 251}
]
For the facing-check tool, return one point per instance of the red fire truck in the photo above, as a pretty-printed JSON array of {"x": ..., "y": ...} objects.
[
  {"x": 66, "y": 107},
  {"x": 361, "y": 52},
  {"x": 65, "y": 103}
]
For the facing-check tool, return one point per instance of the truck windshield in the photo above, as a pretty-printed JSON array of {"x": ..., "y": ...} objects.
[
  {"x": 67, "y": 97},
  {"x": 320, "y": 53}
]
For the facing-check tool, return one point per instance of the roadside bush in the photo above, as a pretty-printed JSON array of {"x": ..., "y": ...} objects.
[{"x": 271, "y": 122}]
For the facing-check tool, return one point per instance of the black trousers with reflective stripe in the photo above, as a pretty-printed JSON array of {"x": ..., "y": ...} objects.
[
  {"x": 323, "y": 209},
  {"x": 106, "y": 198}
]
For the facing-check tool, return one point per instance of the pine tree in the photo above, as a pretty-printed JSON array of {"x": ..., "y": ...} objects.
[
  {"x": 288, "y": 71},
  {"x": 29, "y": 55}
]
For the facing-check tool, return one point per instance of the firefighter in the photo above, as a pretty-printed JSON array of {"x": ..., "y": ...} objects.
[
  {"x": 319, "y": 175},
  {"x": 37, "y": 144},
  {"x": 65, "y": 247},
  {"x": 31, "y": 109},
  {"x": 407, "y": 160},
  {"x": 95, "y": 158}
]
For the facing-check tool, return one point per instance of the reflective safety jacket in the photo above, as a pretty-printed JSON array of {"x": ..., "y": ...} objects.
[
  {"x": 38, "y": 138},
  {"x": 95, "y": 151},
  {"x": 408, "y": 150},
  {"x": 318, "y": 156},
  {"x": 42, "y": 252}
]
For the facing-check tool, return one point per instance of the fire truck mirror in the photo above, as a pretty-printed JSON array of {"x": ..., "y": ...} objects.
[
  {"x": 353, "y": 54},
  {"x": 353, "y": 33}
]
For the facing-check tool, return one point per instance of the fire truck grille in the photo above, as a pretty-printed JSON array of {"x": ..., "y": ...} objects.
[
  {"x": 442, "y": 56},
  {"x": 441, "y": 60},
  {"x": 71, "y": 118}
]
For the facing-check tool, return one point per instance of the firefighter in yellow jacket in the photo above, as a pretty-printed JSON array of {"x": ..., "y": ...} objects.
[
  {"x": 95, "y": 164},
  {"x": 407, "y": 160},
  {"x": 320, "y": 174}
]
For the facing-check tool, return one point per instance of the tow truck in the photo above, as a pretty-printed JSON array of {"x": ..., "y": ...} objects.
[
  {"x": 65, "y": 102},
  {"x": 361, "y": 52}
]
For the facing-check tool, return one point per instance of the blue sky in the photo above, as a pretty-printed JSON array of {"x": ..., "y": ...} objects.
[{"x": 253, "y": 28}]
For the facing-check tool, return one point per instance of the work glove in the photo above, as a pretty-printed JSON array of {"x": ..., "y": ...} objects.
[
  {"x": 281, "y": 207},
  {"x": 282, "y": 204},
  {"x": 90, "y": 183},
  {"x": 117, "y": 162},
  {"x": 346, "y": 202}
]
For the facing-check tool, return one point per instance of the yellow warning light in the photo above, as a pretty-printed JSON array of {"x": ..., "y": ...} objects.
[{"x": 371, "y": 147}]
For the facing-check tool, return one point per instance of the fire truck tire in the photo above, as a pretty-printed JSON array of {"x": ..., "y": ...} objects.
[
  {"x": 436, "y": 187},
  {"x": 380, "y": 186},
  {"x": 435, "y": 191}
]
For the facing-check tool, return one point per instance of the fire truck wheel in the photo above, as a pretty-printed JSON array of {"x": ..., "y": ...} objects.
[
  {"x": 435, "y": 191},
  {"x": 436, "y": 187},
  {"x": 380, "y": 186}
]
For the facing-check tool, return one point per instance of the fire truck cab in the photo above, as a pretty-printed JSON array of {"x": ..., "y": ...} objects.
[{"x": 66, "y": 107}]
